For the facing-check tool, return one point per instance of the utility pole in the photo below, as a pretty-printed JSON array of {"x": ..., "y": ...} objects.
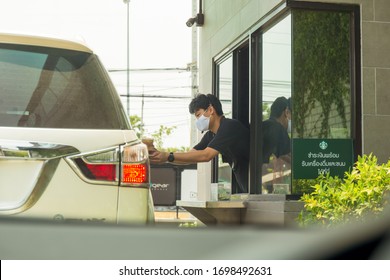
[
  {"x": 142, "y": 111},
  {"x": 127, "y": 2},
  {"x": 194, "y": 73}
]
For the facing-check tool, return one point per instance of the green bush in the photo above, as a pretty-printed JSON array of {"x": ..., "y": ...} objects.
[
  {"x": 301, "y": 186},
  {"x": 356, "y": 197}
]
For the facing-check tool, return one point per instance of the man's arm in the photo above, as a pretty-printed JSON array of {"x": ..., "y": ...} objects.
[{"x": 193, "y": 156}]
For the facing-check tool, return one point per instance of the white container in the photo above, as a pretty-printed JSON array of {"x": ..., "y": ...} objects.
[
  {"x": 224, "y": 191},
  {"x": 214, "y": 192},
  {"x": 281, "y": 189}
]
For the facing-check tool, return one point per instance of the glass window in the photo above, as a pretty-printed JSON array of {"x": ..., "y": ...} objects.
[
  {"x": 322, "y": 82},
  {"x": 225, "y": 94},
  {"x": 54, "y": 88},
  {"x": 276, "y": 114},
  {"x": 232, "y": 88},
  {"x": 301, "y": 88},
  {"x": 306, "y": 93},
  {"x": 322, "y": 95}
]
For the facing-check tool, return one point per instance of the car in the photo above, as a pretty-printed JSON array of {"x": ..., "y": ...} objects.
[{"x": 67, "y": 149}]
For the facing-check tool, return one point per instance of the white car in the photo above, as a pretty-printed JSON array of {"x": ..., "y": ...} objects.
[{"x": 67, "y": 150}]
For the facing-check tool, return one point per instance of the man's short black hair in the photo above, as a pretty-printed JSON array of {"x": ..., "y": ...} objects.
[
  {"x": 203, "y": 101},
  {"x": 277, "y": 108}
]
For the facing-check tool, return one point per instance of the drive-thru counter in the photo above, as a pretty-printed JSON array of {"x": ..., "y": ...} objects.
[{"x": 268, "y": 210}]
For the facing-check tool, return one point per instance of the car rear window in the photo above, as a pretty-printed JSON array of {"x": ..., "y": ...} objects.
[{"x": 56, "y": 88}]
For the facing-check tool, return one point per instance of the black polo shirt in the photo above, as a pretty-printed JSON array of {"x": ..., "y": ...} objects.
[
  {"x": 232, "y": 142},
  {"x": 275, "y": 140}
]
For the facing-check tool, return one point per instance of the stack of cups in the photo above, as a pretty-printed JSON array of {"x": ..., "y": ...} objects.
[{"x": 149, "y": 143}]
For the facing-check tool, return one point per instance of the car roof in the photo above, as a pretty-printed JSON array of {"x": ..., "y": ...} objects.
[{"x": 42, "y": 41}]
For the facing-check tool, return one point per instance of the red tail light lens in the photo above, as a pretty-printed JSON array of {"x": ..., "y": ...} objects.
[
  {"x": 96, "y": 170},
  {"x": 106, "y": 172},
  {"x": 134, "y": 173}
]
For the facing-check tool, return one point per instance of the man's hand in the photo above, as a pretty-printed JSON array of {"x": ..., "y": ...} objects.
[{"x": 158, "y": 157}]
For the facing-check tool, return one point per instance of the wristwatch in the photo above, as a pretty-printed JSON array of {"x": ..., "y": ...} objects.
[{"x": 171, "y": 157}]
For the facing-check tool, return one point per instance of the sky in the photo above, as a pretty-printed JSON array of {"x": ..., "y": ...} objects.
[{"x": 158, "y": 36}]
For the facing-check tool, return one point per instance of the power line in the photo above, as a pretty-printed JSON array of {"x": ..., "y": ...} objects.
[
  {"x": 149, "y": 69},
  {"x": 157, "y": 96}
]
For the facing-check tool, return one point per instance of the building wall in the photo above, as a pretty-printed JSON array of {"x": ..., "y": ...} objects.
[
  {"x": 225, "y": 22},
  {"x": 228, "y": 20}
]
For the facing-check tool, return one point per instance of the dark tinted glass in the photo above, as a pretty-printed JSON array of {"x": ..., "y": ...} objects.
[
  {"x": 55, "y": 88},
  {"x": 322, "y": 74}
]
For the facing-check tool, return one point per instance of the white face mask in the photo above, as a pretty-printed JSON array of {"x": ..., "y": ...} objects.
[
  {"x": 289, "y": 126},
  {"x": 203, "y": 123}
]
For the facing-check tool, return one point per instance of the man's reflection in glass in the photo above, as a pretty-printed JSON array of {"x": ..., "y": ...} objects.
[{"x": 276, "y": 167}]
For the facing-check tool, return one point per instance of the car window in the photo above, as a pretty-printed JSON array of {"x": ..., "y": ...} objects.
[{"x": 55, "y": 88}]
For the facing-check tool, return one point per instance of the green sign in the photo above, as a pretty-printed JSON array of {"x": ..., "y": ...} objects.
[{"x": 312, "y": 157}]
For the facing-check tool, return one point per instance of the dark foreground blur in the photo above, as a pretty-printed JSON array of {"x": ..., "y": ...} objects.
[{"x": 29, "y": 239}]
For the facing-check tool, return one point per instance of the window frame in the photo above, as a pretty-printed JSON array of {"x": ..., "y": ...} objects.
[
  {"x": 253, "y": 38},
  {"x": 240, "y": 57}
]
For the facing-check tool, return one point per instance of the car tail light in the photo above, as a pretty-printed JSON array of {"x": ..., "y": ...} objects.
[
  {"x": 127, "y": 165},
  {"x": 99, "y": 171},
  {"x": 135, "y": 164},
  {"x": 134, "y": 173}
]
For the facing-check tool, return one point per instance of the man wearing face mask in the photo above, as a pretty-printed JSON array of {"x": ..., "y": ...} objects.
[
  {"x": 228, "y": 137},
  {"x": 276, "y": 140}
]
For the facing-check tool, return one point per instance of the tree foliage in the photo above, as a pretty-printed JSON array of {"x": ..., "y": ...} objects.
[
  {"x": 321, "y": 81},
  {"x": 137, "y": 125},
  {"x": 158, "y": 135}
]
